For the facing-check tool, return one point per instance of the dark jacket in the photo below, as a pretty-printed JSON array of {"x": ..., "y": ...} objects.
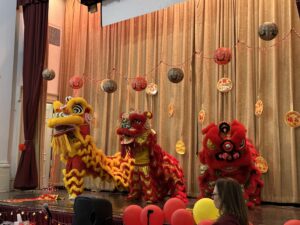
[{"x": 227, "y": 220}]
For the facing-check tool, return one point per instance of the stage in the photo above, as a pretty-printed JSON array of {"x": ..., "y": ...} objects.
[{"x": 62, "y": 208}]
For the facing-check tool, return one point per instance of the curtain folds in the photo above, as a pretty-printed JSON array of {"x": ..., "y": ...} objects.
[
  {"x": 35, "y": 37},
  {"x": 186, "y": 35}
]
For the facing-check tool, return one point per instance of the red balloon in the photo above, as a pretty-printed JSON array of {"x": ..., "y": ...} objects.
[
  {"x": 171, "y": 206},
  {"x": 206, "y": 222},
  {"x": 130, "y": 215},
  {"x": 152, "y": 213},
  {"x": 182, "y": 216},
  {"x": 292, "y": 222}
]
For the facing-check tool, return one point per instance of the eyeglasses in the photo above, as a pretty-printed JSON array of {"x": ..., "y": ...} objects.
[{"x": 214, "y": 194}]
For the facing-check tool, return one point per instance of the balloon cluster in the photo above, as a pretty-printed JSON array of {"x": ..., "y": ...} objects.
[{"x": 174, "y": 212}]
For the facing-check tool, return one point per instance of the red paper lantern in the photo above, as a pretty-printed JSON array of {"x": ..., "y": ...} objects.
[
  {"x": 76, "y": 82},
  {"x": 139, "y": 83},
  {"x": 222, "y": 56}
]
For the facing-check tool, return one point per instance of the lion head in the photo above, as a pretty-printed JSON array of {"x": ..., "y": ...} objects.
[
  {"x": 75, "y": 113},
  {"x": 225, "y": 147},
  {"x": 135, "y": 130}
]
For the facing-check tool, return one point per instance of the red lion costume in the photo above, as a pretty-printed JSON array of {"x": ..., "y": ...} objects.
[
  {"x": 156, "y": 173},
  {"x": 227, "y": 152}
]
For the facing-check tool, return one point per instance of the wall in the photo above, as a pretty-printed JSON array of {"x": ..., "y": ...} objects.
[
  {"x": 56, "y": 19},
  {"x": 7, "y": 34}
]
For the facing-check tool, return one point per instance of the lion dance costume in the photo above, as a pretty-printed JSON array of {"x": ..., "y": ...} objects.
[
  {"x": 227, "y": 152},
  {"x": 156, "y": 173},
  {"x": 77, "y": 149}
]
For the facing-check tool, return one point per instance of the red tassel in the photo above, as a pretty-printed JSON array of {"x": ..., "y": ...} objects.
[{"x": 22, "y": 147}]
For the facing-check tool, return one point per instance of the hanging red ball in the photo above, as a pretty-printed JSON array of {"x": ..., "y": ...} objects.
[
  {"x": 222, "y": 56},
  {"x": 139, "y": 83},
  {"x": 76, "y": 82}
]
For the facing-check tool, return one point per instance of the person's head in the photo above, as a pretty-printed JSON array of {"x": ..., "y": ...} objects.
[{"x": 228, "y": 198}]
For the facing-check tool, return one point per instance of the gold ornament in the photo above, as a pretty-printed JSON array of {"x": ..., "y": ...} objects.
[
  {"x": 201, "y": 116},
  {"x": 261, "y": 164},
  {"x": 180, "y": 147},
  {"x": 259, "y": 107},
  {"x": 171, "y": 109}
]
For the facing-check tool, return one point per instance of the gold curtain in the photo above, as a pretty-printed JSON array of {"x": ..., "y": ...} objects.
[{"x": 186, "y": 35}]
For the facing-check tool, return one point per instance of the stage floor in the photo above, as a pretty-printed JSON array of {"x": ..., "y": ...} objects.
[{"x": 266, "y": 214}]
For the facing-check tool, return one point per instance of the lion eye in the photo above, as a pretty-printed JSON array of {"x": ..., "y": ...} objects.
[
  {"x": 242, "y": 145},
  {"x": 125, "y": 123},
  {"x": 77, "y": 109},
  {"x": 211, "y": 145},
  {"x": 137, "y": 121}
]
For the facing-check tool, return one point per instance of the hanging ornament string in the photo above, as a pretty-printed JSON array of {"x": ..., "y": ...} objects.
[{"x": 239, "y": 44}]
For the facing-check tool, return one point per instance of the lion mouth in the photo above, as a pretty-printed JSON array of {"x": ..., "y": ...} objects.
[
  {"x": 63, "y": 129},
  {"x": 230, "y": 169},
  {"x": 127, "y": 140}
]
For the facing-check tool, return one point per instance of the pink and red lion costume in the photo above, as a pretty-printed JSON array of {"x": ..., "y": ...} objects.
[{"x": 226, "y": 152}]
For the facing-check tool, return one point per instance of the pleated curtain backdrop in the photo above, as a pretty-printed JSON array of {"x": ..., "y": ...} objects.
[{"x": 186, "y": 35}]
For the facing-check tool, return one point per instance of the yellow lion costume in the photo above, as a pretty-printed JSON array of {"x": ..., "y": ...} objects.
[{"x": 77, "y": 149}]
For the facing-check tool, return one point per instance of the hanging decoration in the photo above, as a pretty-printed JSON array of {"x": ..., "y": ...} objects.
[
  {"x": 48, "y": 74},
  {"x": 151, "y": 89},
  {"x": 259, "y": 107},
  {"x": 108, "y": 85},
  {"x": 175, "y": 75},
  {"x": 219, "y": 56},
  {"x": 180, "y": 147},
  {"x": 292, "y": 119},
  {"x": 268, "y": 31},
  {"x": 171, "y": 109},
  {"x": 139, "y": 83},
  {"x": 224, "y": 85},
  {"x": 201, "y": 116},
  {"x": 222, "y": 56},
  {"x": 261, "y": 164},
  {"x": 76, "y": 82}
]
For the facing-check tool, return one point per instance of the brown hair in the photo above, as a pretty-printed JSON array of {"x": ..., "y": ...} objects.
[{"x": 231, "y": 199}]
